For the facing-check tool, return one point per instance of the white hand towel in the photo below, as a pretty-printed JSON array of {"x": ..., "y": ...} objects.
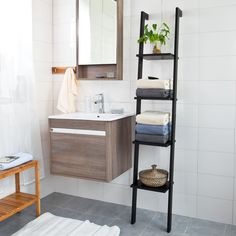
[
  {"x": 68, "y": 92},
  {"x": 23, "y": 158},
  {"x": 154, "y": 118},
  {"x": 154, "y": 83}
]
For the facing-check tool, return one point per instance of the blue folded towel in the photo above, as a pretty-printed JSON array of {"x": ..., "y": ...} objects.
[{"x": 153, "y": 129}]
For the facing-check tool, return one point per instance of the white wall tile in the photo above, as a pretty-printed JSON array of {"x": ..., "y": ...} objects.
[
  {"x": 214, "y": 209},
  {"x": 214, "y": 68},
  {"x": 209, "y": 20},
  {"x": 215, "y": 3},
  {"x": 186, "y": 138},
  {"x": 151, "y": 7},
  {"x": 185, "y": 183},
  {"x": 188, "y": 92},
  {"x": 187, "y": 115},
  {"x": 216, "y": 140},
  {"x": 185, "y": 205},
  {"x": 209, "y": 44},
  {"x": 217, "y": 92},
  {"x": 90, "y": 189},
  {"x": 215, "y": 186},
  {"x": 216, "y": 163},
  {"x": 189, "y": 45},
  {"x": 213, "y": 116},
  {"x": 186, "y": 160},
  {"x": 117, "y": 194},
  {"x": 189, "y": 68},
  {"x": 71, "y": 185}
]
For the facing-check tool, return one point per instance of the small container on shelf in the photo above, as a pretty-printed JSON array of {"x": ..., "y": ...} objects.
[{"x": 153, "y": 177}]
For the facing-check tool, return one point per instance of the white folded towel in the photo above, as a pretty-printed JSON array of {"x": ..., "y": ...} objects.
[
  {"x": 23, "y": 158},
  {"x": 154, "y": 118},
  {"x": 51, "y": 225},
  {"x": 68, "y": 92},
  {"x": 154, "y": 83}
]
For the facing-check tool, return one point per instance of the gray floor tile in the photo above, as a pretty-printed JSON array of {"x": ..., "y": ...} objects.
[
  {"x": 148, "y": 223},
  {"x": 8, "y": 230},
  {"x": 158, "y": 226},
  {"x": 56, "y": 199},
  {"x": 127, "y": 229},
  {"x": 106, "y": 209},
  {"x": 230, "y": 230},
  {"x": 205, "y": 228},
  {"x": 80, "y": 205},
  {"x": 99, "y": 220},
  {"x": 142, "y": 216},
  {"x": 67, "y": 213}
]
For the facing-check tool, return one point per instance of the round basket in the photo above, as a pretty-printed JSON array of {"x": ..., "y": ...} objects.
[{"x": 153, "y": 177}]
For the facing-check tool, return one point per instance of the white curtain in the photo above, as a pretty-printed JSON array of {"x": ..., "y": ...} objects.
[{"x": 19, "y": 125}]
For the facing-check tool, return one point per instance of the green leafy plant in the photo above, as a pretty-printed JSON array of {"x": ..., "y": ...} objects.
[{"x": 155, "y": 35}]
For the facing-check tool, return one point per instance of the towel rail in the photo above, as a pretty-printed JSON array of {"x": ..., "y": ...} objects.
[{"x": 61, "y": 70}]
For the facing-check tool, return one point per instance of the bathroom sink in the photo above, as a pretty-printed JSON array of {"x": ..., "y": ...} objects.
[{"x": 91, "y": 116}]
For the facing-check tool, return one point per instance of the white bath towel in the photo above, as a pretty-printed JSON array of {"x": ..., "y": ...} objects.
[
  {"x": 23, "y": 158},
  {"x": 50, "y": 225},
  {"x": 154, "y": 118},
  {"x": 154, "y": 83},
  {"x": 68, "y": 92}
]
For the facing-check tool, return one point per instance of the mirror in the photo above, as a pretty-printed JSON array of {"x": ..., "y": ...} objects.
[
  {"x": 97, "y": 32},
  {"x": 99, "y": 39}
]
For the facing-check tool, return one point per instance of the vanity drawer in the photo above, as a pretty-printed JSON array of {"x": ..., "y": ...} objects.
[
  {"x": 78, "y": 155},
  {"x": 77, "y": 124}
]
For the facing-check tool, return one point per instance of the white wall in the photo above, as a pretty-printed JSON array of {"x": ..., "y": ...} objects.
[
  {"x": 42, "y": 50},
  {"x": 205, "y": 169}
]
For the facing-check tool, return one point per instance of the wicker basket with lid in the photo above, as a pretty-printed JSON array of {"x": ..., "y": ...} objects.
[{"x": 153, "y": 177}]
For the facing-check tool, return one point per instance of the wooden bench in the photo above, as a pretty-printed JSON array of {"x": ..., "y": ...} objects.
[{"x": 18, "y": 201}]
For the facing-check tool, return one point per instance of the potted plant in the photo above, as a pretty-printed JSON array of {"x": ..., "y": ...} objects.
[{"x": 156, "y": 36}]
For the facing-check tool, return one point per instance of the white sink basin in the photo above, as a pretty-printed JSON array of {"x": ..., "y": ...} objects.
[{"x": 91, "y": 116}]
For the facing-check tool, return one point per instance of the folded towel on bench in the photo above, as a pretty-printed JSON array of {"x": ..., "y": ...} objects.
[{"x": 23, "y": 158}]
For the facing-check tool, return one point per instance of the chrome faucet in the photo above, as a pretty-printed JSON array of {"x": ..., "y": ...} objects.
[{"x": 99, "y": 99}]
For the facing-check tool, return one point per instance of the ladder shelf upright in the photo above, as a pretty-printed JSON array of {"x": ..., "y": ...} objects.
[{"x": 162, "y": 56}]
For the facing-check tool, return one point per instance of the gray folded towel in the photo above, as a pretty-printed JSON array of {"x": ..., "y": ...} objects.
[
  {"x": 152, "y": 138},
  {"x": 154, "y": 93}
]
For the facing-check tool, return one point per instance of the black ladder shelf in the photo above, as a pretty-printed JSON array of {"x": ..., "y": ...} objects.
[{"x": 163, "y": 56}]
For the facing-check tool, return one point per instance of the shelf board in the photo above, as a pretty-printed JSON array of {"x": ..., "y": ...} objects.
[
  {"x": 153, "y": 98},
  {"x": 162, "y": 189},
  {"x": 14, "y": 203},
  {"x": 152, "y": 144},
  {"x": 161, "y": 56}
]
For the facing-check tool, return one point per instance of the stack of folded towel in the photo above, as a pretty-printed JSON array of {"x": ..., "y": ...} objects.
[
  {"x": 17, "y": 159},
  {"x": 154, "y": 88},
  {"x": 153, "y": 126}
]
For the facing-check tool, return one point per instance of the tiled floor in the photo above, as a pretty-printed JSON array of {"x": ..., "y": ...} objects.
[{"x": 148, "y": 223}]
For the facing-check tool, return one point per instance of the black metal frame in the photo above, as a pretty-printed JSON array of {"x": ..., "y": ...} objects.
[{"x": 165, "y": 56}]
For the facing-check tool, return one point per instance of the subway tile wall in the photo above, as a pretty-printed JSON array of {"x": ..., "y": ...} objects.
[
  {"x": 205, "y": 168},
  {"x": 42, "y": 49}
]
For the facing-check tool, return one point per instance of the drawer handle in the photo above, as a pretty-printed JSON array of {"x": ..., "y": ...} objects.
[{"x": 78, "y": 131}]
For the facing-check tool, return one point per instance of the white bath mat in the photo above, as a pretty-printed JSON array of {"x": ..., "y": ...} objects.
[{"x": 51, "y": 225}]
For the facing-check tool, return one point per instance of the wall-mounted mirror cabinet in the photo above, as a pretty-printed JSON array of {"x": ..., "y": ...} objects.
[{"x": 99, "y": 39}]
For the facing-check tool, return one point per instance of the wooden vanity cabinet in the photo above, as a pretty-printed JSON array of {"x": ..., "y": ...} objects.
[{"x": 96, "y": 150}]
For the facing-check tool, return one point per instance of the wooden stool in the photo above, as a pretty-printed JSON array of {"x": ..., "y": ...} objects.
[{"x": 18, "y": 201}]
